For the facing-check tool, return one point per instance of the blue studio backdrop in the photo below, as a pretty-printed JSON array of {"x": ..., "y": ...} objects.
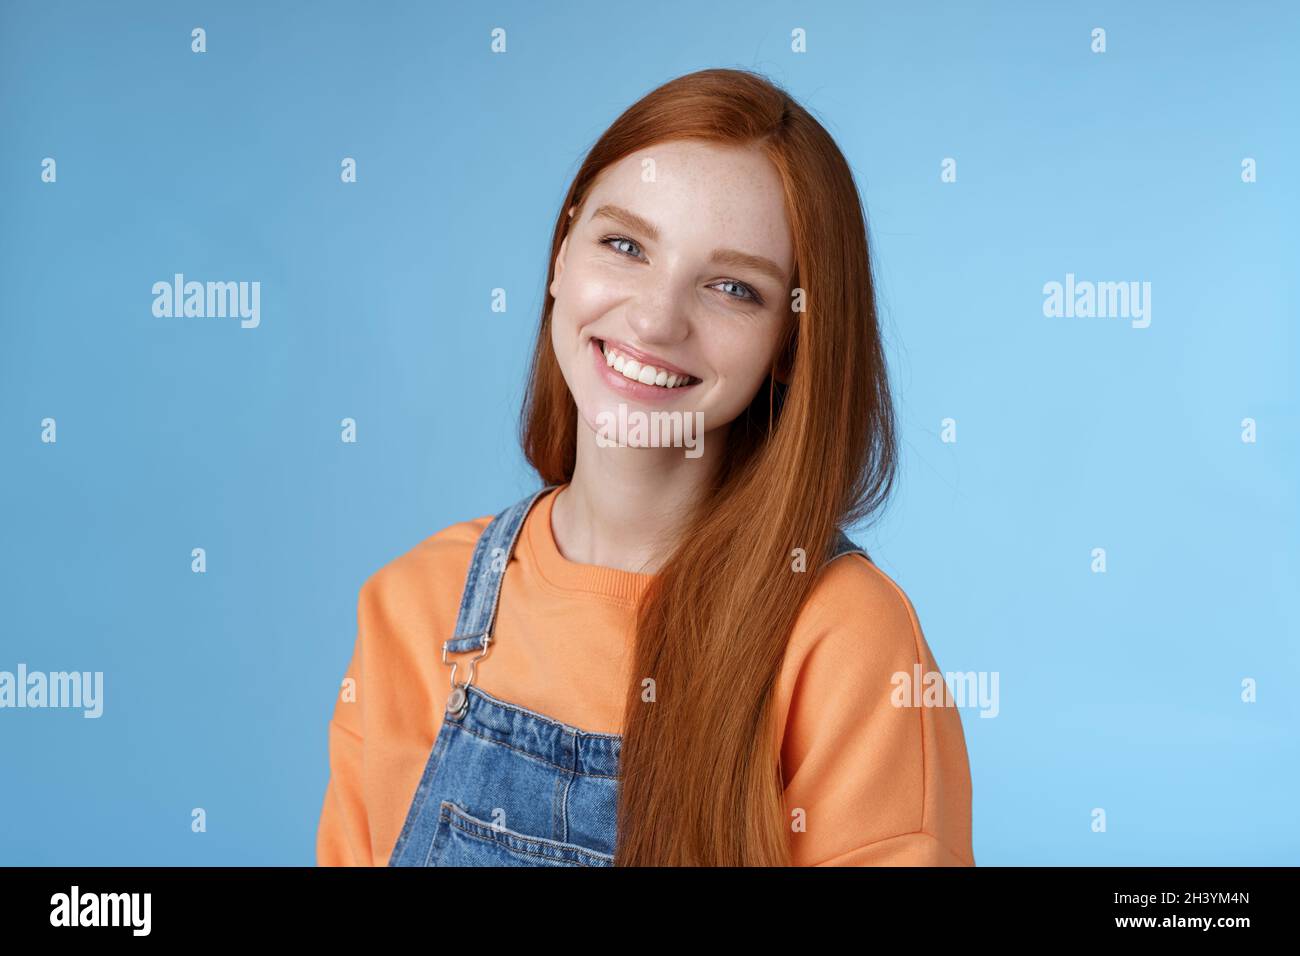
[{"x": 1098, "y": 507}]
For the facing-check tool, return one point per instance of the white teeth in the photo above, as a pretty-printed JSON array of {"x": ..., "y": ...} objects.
[{"x": 645, "y": 374}]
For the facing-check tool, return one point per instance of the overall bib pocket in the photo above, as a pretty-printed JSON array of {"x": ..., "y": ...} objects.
[{"x": 464, "y": 840}]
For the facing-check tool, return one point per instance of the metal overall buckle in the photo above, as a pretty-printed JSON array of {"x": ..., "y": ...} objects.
[{"x": 458, "y": 700}]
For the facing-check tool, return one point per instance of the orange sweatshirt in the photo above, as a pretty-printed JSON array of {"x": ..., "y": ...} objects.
[{"x": 878, "y": 784}]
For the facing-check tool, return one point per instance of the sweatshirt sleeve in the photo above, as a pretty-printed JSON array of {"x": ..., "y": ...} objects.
[
  {"x": 343, "y": 834},
  {"x": 871, "y": 779}
]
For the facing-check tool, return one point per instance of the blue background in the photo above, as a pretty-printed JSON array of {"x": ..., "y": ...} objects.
[{"x": 1118, "y": 690}]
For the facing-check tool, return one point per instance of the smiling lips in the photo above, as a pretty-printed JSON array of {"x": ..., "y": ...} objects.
[{"x": 638, "y": 371}]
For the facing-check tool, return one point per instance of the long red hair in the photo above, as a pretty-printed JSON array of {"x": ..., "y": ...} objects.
[{"x": 700, "y": 778}]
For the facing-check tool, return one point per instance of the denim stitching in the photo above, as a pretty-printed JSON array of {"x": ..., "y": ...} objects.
[
  {"x": 533, "y": 756},
  {"x": 567, "y": 728},
  {"x": 470, "y": 824}
]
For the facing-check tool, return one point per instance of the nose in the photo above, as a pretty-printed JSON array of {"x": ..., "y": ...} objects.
[{"x": 660, "y": 316}]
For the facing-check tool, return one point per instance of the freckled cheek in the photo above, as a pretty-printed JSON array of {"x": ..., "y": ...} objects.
[
  {"x": 741, "y": 361},
  {"x": 589, "y": 296},
  {"x": 583, "y": 299}
]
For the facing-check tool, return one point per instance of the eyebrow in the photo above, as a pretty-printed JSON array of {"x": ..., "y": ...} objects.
[{"x": 726, "y": 257}]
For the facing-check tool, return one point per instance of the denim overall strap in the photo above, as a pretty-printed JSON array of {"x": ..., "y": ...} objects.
[
  {"x": 843, "y": 545},
  {"x": 478, "y": 602}
]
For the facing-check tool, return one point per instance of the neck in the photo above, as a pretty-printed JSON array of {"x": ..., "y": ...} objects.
[{"x": 625, "y": 508}]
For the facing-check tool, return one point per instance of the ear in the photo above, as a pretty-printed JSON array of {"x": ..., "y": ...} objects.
[{"x": 559, "y": 258}]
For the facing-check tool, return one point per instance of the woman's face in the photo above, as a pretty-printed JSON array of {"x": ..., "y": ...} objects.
[{"x": 677, "y": 270}]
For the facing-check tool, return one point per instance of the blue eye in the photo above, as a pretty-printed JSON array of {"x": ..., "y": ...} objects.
[
  {"x": 612, "y": 241},
  {"x": 749, "y": 292}
]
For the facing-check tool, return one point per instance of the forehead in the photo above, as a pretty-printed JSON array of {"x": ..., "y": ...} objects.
[{"x": 702, "y": 195}]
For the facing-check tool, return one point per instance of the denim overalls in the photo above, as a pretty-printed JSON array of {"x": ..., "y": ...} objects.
[{"x": 504, "y": 785}]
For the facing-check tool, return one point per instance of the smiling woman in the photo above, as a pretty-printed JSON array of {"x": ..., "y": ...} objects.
[{"x": 656, "y": 674}]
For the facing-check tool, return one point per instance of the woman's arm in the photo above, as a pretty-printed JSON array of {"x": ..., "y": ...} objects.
[
  {"x": 343, "y": 835},
  {"x": 869, "y": 782}
]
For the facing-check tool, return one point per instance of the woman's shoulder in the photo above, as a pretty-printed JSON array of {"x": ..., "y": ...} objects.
[
  {"x": 862, "y": 606},
  {"x": 440, "y": 560}
]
